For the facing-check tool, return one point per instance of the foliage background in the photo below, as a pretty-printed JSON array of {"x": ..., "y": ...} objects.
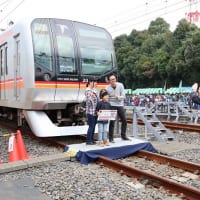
[{"x": 156, "y": 57}]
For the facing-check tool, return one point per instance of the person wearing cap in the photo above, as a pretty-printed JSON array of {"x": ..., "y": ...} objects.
[
  {"x": 103, "y": 104},
  {"x": 91, "y": 103},
  {"x": 116, "y": 98}
]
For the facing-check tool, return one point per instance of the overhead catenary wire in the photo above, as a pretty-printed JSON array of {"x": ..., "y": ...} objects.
[
  {"x": 4, "y": 6},
  {"x": 4, "y": 2},
  {"x": 140, "y": 13},
  {"x": 124, "y": 12},
  {"x": 136, "y": 20},
  {"x": 137, "y": 10},
  {"x": 144, "y": 15},
  {"x": 12, "y": 10},
  {"x": 145, "y": 20}
]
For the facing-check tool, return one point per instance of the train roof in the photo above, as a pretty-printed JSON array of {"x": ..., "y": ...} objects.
[
  {"x": 23, "y": 23},
  {"x": 28, "y": 20}
]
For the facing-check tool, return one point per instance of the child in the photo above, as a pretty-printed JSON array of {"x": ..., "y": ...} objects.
[{"x": 103, "y": 104}]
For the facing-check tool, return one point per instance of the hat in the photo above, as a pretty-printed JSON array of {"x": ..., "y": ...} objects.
[{"x": 103, "y": 93}]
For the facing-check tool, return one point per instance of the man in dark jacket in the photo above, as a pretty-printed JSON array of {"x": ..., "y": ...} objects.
[{"x": 194, "y": 96}]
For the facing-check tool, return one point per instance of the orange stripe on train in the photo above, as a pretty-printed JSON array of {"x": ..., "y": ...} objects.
[
  {"x": 9, "y": 84},
  {"x": 65, "y": 85}
]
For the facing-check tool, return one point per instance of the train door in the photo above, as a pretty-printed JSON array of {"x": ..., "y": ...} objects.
[
  {"x": 3, "y": 71},
  {"x": 16, "y": 67},
  {"x": 66, "y": 60}
]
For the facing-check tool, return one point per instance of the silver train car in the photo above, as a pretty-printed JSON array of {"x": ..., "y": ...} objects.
[{"x": 44, "y": 66}]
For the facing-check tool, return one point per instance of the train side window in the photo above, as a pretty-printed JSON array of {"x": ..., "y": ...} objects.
[
  {"x": 6, "y": 60},
  {"x": 1, "y": 61},
  {"x": 42, "y": 45}
]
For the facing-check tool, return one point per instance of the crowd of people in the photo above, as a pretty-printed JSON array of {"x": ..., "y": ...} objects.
[
  {"x": 145, "y": 100},
  {"x": 113, "y": 98},
  {"x": 110, "y": 98},
  {"x": 190, "y": 99}
]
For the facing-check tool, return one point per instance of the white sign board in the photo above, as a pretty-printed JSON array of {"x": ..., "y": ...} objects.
[
  {"x": 107, "y": 115},
  {"x": 11, "y": 143}
]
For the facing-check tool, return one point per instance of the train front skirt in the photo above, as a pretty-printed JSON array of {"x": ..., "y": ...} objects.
[
  {"x": 120, "y": 149},
  {"x": 42, "y": 126}
]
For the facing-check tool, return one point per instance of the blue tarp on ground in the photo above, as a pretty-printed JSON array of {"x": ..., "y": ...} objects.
[{"x": 86, "y": 157}]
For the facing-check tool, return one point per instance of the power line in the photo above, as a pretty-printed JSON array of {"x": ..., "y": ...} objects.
[
  {"x": 143, "y": 18},
  {"x": 136, "y": 10},
  {"x": 7, "y": 4},
  {"x": 144, "y": 15},
  {"x": 120, "y": 13},
  {"x": 180, "y": 8},
  {"x": 9, "y": 13},
  {"x": 4, "y": 2}
]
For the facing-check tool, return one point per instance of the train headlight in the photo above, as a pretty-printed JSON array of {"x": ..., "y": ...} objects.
[{"x": 47, "y": 77}]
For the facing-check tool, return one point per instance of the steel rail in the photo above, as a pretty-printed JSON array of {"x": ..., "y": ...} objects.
[
  {"x": 186, "y": 127},
  {"x": 189, "y": 193},
  {"x": 188, "y": 166},
  {"x": 173, "y": 125}
]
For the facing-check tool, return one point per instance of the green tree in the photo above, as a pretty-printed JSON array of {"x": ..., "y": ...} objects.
[
  {"x": 159, "y": 26},
  {"x": 150, "y": 57}
]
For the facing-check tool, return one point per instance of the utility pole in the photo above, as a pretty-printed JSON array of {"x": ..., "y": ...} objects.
[{"x": 193, "y": 17}]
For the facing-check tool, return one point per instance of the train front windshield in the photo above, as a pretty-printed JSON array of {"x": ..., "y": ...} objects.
[
  {"x": 63, "y": 50},
  {"x": 96, "y": 49}
]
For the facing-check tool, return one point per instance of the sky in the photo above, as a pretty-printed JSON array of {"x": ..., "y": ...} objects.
[{"x": 117, "y": 16}]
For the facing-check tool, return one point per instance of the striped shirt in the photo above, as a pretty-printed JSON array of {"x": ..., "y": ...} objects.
[{"x": 91, "y": 101}]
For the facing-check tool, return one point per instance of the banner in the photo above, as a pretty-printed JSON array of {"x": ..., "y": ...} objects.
[{"x": 107, "y": 115}]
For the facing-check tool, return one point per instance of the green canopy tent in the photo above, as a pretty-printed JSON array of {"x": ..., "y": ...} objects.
[
  {"x": 178, "y": 90},
  {"x": 128, "y": 91},
  {"x": 148, "y": 91}
]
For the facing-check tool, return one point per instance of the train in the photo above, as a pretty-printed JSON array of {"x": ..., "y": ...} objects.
[{"x": 45, "y": 64}]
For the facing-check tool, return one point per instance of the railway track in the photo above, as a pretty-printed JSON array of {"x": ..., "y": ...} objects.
[
  {"x": 153, "y": 179},
  {"x": 174, "y": 125},
  {"x": 182, "y": 126},
  {"x": 191, "y": 167},
  {"x": 187, "y": 192}
]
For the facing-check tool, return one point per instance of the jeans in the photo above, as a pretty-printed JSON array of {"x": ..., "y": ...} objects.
[
  {"x": 102, "y": 131},
  {"x": 122, "y": 114},
  {"x": 90, "y": 132}
]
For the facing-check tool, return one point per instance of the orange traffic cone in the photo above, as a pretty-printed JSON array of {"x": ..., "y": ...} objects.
[
  {"x": 21, "y": 147},
  {"x": 12, "y": 149}
]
